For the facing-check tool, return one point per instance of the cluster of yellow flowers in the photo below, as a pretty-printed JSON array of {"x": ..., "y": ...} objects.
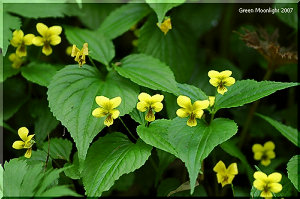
[{"x": 49, "y": 36}]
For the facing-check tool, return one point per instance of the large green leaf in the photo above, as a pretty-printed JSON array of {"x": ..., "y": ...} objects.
[
  {"x": 289, "y": 132},
  {"x": 190, "y": 144},
  {"x": 100, "y": 48},
  {"x": 39, "y": 73},
  {"x": 149, "y": 72},
  {"x": 122, "y": 19},
  {"x": 58, "y": 148},
  {"x": 290, "y": 17},
  {"x": 11, "y": 23},
  {"x": 293, "y": 171},
  {"x": 192, "y": 92},
  {"x": 71, "y": 96},
  {"x": 109, "y": 158},
  {"x": 246, "y": 91},
  {"x": 176, "y": 48},
  {"x": 1, "y": 181},
  {"x": 161, "y": 7}
]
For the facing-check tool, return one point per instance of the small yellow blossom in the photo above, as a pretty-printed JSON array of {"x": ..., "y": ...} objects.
[
  {"x": 165, "y": 26},
  {"x": 264, "y": 153},
  {"x": 267, "y": 184},
  {"x": 211, "y": 100},
  {"x": 69, "y": 50},
  {"x": 80, "y": 54},
  {"x": 225, "y": 176},
  {"x": 151, "y": 104},
  {"x": 107, "y": 108},
  {"x": 50, "y": 36},
  {"x": 16, "y": 60},
  {"x": 20, "y": 42},
  {"x": 220, "y": 80},
  {"x": 192, "y": 110},
  {"x": 26, "y": 143}
]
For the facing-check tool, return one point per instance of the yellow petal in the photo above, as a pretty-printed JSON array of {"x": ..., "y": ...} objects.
[
  {"x": 17, "y": 38},
  {"x": 266, "y": 194},
  {"x": 108, "y": 120},
  {"x": 265, "y": 162},
  {"x": 274, "y": 177},
  {"x": 258, "y": 175},
  {"x": 198, "y": 113},
  {"x": 220, "y": 167},
  {"x": 211, "y": 100},
  {"x": 269, "y": 145},
  {"x": 23, "y": 133},
  {"x": 259, "y": 184},
  {"x": 182, "y": 113},
  {"x": 270, "y": 154},
  {"x": 225, "y": 73},
  {"x": 213, "y": 74},
  {"x": 115, "y": 102},
  {"x": 38, "y": 41},
  {"x": 230, "y": 179},
  {"x": 184, "y": 102},
  {"x": 157, "y": 106},
  {"x": 54, "y": 40},
  {"x": 150, "y": 117},
  {"x": 30, "y": 137},
  {"x": 214, "y": 81},
  {"x": 21, "y": 51},
  {"x": 75, "y": 50},
  {"x": 232, "y": 169},
  {"x": 257, "y": 148},
  {"x": 28, "y": 153},
  {"x": 142, "y": 106},
  {"x": 28, "y": 39},
  {"x": 99, "y": 112},
  {"x": 229, "y": 81},
  {"x": 258, "y": 155},
  {"x": 54, "y": 30},
  {"x": 157, "y": 98},
  {"x": 69, "y": 50},
  {"x": 12, "y": 57},
  {"x": 102, "y": 101},
  {"x": 85, "y": 49},
  {"x": 222, "y": 90},
  {"x": 219, "y": 178},
  {"x": 47, "y": 50},
  {"x": 42, "y": 29},
  {"x": 275, "y": 187},
  {"x": 144, "y": 97},
  {"x": 18, "y": 145},
  {"x": 200, "y": 104},
  {"x": 191, "y": 122},
  {"x": 115, "y": 113}
]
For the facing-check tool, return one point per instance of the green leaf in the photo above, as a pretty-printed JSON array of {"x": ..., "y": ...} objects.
[
  {"x": 1, "y": 181},
  {"x": 13, "y": 99},
  {"x": 8, "y": 70},
  {"x": 190, "y": 144},
  {"x": 176, "y": 48},
  {"x": 293, "y": 171},
  {"x": 165, "y": 159},
  {"x": 122, "y": 19},
  {"x": 36, "y": 10},
  {"x": 254, "y": 193},
  {"x": 11, "y": 23},
  {"x": 290, "y": 133},
  {"x": 291, "y": 18},
  {"x": 192, "y": 92},
  {"x": 73, "y": 171},
  {"x": 161, "y": 7},
  {"x": 71, "y": 96},
  {"x": 246, "y": 91},
  {"x": 39, "y": 73},
  {"x": 100, "y": 48},
  {"x": 59, "y": 148},
  {"x": 138, "y": 116},
  {"x": 109, "y": 158},
  {"x": 59, "y": 191},
  {"x": 149, "y": 72}
]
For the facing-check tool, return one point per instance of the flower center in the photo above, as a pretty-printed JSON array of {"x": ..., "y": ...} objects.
[
  {"x": 225, "y": 178},
  {"x": 264, "y": 156}
]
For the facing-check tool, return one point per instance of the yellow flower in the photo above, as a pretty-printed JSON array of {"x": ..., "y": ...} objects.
[
  {"x": 69, "y": 50},
  {"x": 49, "y": 37},
  {"x": 16, "y": 60},
  {"x": 107, "y": 108},
  {"x": 26, "y": 143},
  {"x": 211, "y": 100},
  {"x": 267, "y": 184},
  {"x": 225, "y": 176},
  {"x": 151, "y": 104},
  {"x": 264, "y": 153},
  {"x": 192, "y": 110},
  {"x": 165, "y": 26},
  {"x": 80, "y": 54},
  {"x": 20, "y": 42},
  {"x": 220, "y": 80}
]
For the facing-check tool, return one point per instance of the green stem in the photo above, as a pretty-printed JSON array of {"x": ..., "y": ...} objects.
[
  {"x": 232, "y": 190},
  {"x": 212, "y": 117},
  {"x": 127, "y": 129}
]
